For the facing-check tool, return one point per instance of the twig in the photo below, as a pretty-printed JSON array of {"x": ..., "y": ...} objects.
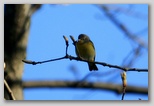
[
  {"x": 123, "y": 28},
  {"x": 9, "y": 90},
  {"x": 40, "y": 62},
  {"x": 124, "y": 83},
  {"x": 66, "y": 41},
  {"x": 72, "y": 38},
  {"x": 110, "y": 65},
  {"x": 123, "y": 94},
  {"x": 79, "y": 59}
]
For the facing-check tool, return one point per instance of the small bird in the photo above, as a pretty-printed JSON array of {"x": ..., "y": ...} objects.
[{"x": 85, "y": 50}]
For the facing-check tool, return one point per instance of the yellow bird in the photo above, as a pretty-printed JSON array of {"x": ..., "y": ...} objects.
[{"x": 85, "y": 50}]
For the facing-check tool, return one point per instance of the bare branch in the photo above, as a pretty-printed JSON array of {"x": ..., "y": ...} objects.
[
  {"x": 117, "y": 88},
  {"x": 123, "y": 94},
  {"x": 66, "y": 41},
  {"x": 72, "y": 38},
  {"x": 127, "y": 11},
  {"x": 40, "y": 62},
  {"x": 11, "y": 95},
  {"x": 79, "y": 59},
  {"x": 123, "y": 28},
  {"x": 124, "y": 83}
]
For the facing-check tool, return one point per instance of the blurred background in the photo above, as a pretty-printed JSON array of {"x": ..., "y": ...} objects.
[{"x": 120, "y": 36}]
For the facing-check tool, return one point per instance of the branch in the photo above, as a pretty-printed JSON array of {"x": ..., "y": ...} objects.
[
  {"x": 117, "y": 88},
  {"x": 122, "y": 27},
  {"x": 124, "y": 83},
  {"x": 11, "y": 95},
  {"x": 79, "y": 59},
  {"x": 40, "y": 62},
  {"x": 123, "y": 94}
]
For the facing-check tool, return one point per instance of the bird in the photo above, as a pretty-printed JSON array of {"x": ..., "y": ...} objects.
[{"x": 85, "y": 50}]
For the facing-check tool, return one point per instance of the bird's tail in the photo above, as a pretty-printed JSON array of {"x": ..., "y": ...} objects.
[{"x": 92, "y": 66}]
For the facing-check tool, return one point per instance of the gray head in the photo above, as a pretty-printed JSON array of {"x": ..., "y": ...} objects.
[{"x": 83, "y": 37}]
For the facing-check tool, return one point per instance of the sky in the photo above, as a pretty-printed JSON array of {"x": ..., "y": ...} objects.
[{"x": 51, "y": 22}]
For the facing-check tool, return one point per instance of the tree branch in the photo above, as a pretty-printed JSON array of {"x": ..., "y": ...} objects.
[
  {"x": 79, "y": 59},
  {"x": 117, "y": 88},
  {"x": 122, "y": 27},
  {"x": 124, "y": 83},
  {"x": 11, "y": 95}
]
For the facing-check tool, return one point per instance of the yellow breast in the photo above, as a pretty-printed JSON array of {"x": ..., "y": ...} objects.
[{"x": 85, "y": 50}]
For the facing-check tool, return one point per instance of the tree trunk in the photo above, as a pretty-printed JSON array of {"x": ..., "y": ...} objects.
[{"x": 16, "y": 29}]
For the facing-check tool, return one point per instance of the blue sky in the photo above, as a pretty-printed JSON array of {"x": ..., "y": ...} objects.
[{"x": 51, "y": 22}]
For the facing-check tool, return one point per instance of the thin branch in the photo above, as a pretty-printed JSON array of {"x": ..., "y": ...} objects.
[
  {"x": 11, "y": 95},
  {"x": 72, "y": 38},
  {"x": 66, "y": 41},
  {"x": 127, "y": 11},
  {"x": 123, "y": 94},
  {"x": 117, "y": 88},
  {"x": 40, "y": 62},
  {"x": 122, "y": 68},
  {"x": 79, "y": 59},
  {"x": 110, "y": 65},
  {"x": 124, "y": 83},
  {"x": 122, "y": 27}
]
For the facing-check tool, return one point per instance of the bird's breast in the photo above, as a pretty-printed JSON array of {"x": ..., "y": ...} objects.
[{"x": 85, "y": 50}]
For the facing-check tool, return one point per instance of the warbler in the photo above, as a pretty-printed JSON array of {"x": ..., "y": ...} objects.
[{"x": 85, "y": 50}]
